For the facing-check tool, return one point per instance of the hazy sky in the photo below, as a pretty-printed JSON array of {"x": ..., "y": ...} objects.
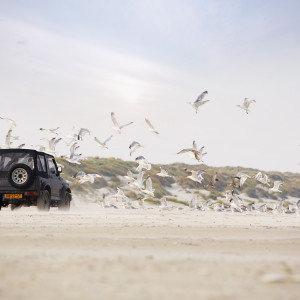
[{"x": 67, "y": 62}]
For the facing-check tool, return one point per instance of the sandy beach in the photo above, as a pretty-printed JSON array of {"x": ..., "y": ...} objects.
[{"x": 96, "y": 253}]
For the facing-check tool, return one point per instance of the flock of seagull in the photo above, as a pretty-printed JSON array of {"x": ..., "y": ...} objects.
[{"x": 143, "y": 186}]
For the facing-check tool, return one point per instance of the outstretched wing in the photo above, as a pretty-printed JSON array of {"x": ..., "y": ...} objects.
[
  {"x": 201, "y": 97},
  {"x": 186, "y": 150},
  {"x": 139, "y": 158},
  {"x": 149, "y": 184},
  {"x": 151, "y": 126},
  {"x": 134, "y": 143},
  {"x": 125, "y": 125},
  {"x": 278, "y": 184},
  {"x": 149, "y": 123},
  {"x": 12, "y": 123},
  {"x": 72, "y": 148},
  {"x": 98, "y": 142},
  {"x": 194, "y": 145},
  {"x": 113, "y": 118},
  {"x": 163, "y": 171},
  {"x": 108, "y": 139},
  {"x": 82, "y": 132}
]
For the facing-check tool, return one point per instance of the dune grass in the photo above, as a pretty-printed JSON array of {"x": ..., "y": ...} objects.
[{"x": 111, "y": 168}]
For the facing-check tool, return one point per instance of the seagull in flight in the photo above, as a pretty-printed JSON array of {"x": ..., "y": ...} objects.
[
  {"x": 149, "y": 190},
  {"x": 151, "y": 128},
  {"x": 243, "y": 177},
  {"x": 212, "y": 181},
  {"x": 53, "y": 131},
  {"x": 116, "y": 126},
  {"x": 82, "y": 177},
  {"x": 246, "y": 104},
  {"x": 102, "y": 145},
  {"x": 196, "y": 175},
  {"x": 199, "y": 101},
  {"x": 143, "y": 164},
  {"x": 73, "y": 158},
  {"x": 198, "y": 154},
  {"x": 134, "y": 146},
  {"x": 264, "y": 179},
  {"x": 129, "y": 177},
  {"x": 82, "y": 132},
  {"x": 235, "y": 201},
  {"x": 163, "y": 173},
  {"x": 138, "y": 182},
  {"x": 12, "y": 123},
  {"x": 39, "y": 147},
  {"x": 73, "y": 148},
  {"x": 275, "y": 188},
  {"x": 8, "y": 139},
  {"x": 52, "y": 144}
]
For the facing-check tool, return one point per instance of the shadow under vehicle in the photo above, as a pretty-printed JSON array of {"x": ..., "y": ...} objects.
[{"x": 32, "y": 178}]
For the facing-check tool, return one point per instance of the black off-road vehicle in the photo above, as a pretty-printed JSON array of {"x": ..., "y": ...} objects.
[{"x": 32, "y": 178}]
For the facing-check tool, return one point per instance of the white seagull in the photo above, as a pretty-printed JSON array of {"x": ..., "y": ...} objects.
[
  {"x": 72, "y": 136},
  {"x": 8, "y": 139},
  {"x": 82, "y": 132},
  {"x": 246, "y": 104},
  {"x": 73, "y": 158},
  {"x": 120, "y": 195},
  {"x": 116, "y": 126},
  {"x": 73, "y": 148},
  {"x": 198, "y": 154},
  {"x": 138, "y": 182},
  {"x": 264, "y": 179},
  {"x": 275, "y": 188},
  {"x": 163, "y": 173},
  {"x": 20, "y": 146},
  {"x": 102, "y": 145},
  {"x": 134, "y": 146},
  {"x": 149, "y": 190},
  {"x": 199, "y": 101},
  {"x": 52, "y": 144},
  {"x": 143, "y": 164},
  {"x": 196, "y": 175},
  {"x": 39, "y": 148},
  {"x": 53, "y": 131},
  {"x": 151, "y": 128},
  {"x": 243, "y": 177},
  {"x": 82, "y": 177},
  {"x": 129, "y": 177},
  {"x": 12, "y": 123},
  {"x": 235, "y": 202}
]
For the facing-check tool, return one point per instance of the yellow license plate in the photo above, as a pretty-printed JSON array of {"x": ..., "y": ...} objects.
[{"x": 13, "y": 196}]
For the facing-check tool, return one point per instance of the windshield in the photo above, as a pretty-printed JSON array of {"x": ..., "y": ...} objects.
[{"x": 7, "y": 160}]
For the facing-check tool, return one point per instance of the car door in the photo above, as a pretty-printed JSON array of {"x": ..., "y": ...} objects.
[{"x": 55, "y": 179}]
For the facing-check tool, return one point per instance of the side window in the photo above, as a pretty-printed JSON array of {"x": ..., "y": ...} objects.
[
  {"x": 51, "y": 165},
  {"x": 41, "y": 164}
]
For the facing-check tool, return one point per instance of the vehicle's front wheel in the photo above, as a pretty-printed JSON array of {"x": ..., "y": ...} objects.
[
  {"x": 43, "y": 201},
  {"x": 65, "y": 202}
]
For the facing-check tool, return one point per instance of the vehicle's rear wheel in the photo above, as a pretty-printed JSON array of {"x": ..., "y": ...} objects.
[
  {"x": 20, "y": 176},
  {"x": 65, "y": 202},
  {"x": 14, "y": 206},
  {"x": 43, "y": 201}
]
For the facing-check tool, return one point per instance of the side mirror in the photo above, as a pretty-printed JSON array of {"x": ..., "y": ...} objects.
[{"x": 59, "y": 169}]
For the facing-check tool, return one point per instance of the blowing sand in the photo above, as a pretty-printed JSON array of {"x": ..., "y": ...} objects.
[{"x": 96, "y": 253}]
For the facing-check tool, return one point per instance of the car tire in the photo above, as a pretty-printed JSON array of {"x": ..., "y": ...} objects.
[
  {"x": 20, "y": 176},
  {"x": 65, "y": 202},
  {"x": 43, "y": 201}
]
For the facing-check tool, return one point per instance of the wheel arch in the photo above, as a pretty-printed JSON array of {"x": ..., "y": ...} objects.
[{"x": 47, "y": 188}]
